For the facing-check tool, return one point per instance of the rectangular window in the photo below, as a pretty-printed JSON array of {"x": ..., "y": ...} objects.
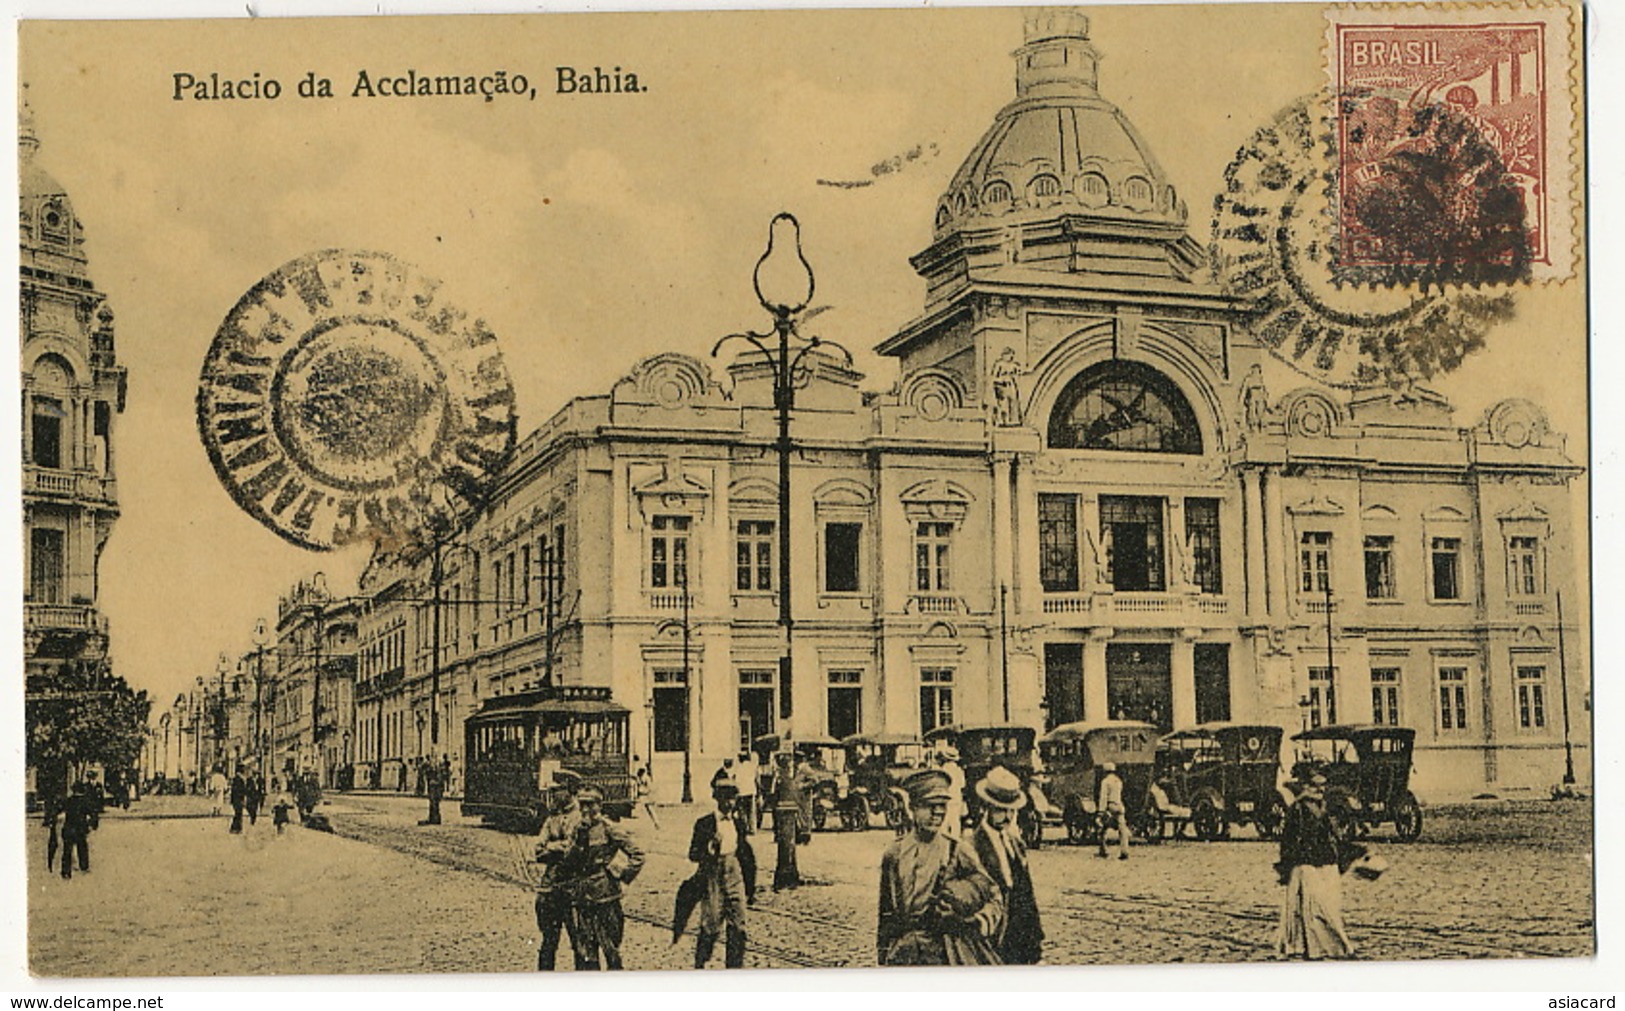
[
  {"x": 756, "y": 703},
  {"x": 45, "y": 566},
  {"x": 1385, "y": 696},
  {"x": 753, "y": 560},
  {"x": 1058, "y": 542},
  {"x": 668, "y": 551},
  {"x": 1523, "y": 566},
  {"x": 1131, "y": 537},
  {"x": 931, "y": 544},
  {"x": 671, "y": 711},
  {"x": 510, "y": 596},
  {"x": 936, "y": 698},
  {"x": 1202, "y": 542},
  {"x": 844, "y": 716},
  {"x": 524, "y": 575},
  {"x": 1452, "y": 698},
  {"x": 1531, "y": 697},
  {"x": 47, "y": 431},
  {"x": 1315, "y": 561},
  {"x": 1446, "y": 554},
  {"x": 1379, "y": 568},
  {"x": 842, "y": 544},
  {"x": 1322, "y": 696}
]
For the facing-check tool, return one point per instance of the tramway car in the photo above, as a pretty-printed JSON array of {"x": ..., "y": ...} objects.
[{"x": 516, "y": 745}]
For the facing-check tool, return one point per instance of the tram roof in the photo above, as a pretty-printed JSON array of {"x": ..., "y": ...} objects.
[{"x": 568, "y": 707}]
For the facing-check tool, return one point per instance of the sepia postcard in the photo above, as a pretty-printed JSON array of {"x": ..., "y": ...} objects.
[{"x": 805, "y": 489}]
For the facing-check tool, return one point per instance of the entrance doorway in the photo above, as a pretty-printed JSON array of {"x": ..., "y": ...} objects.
[
  {"x": 756, "y": 708},
  {"x": 1063, "y": 683},
  {"x": 1212, "y": 681},
  {"x": 1139, "y": 682},
  {"x": 1131, "y": 529}
]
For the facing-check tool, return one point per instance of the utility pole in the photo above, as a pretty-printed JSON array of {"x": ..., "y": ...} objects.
[
  {"x": 688, "y": 694},
  {"x": 1004, "y": 649},
  {"x": 1563, "y": 670}
]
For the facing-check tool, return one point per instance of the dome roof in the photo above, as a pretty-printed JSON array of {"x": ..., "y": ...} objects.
[
  {"x": 1058, "y": 147},
  {"x": 47, "y": 220}
]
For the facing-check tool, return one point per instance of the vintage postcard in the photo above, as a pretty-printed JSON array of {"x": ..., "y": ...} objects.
[{"x": 805, "y": 489}]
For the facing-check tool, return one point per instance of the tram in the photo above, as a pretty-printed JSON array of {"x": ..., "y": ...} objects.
[{"x": 516, "y": 745}]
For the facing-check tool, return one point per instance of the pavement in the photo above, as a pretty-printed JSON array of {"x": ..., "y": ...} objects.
[{"x": 171, "y": 892}]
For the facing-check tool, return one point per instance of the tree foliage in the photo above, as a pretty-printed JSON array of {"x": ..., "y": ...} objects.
[{"x": 82, "y": 715}]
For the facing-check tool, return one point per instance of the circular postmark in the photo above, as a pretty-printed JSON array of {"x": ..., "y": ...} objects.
[
  {"x": 1362, "y": 281},
  {"x": 343, "y": 399}
]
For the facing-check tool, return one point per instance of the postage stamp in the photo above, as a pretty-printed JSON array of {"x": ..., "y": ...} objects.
[{"x": 1453, "y": 143}]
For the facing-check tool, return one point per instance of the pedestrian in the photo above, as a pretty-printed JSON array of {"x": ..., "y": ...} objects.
[
  {"x": 724, "y": 771},
  {"x": 555, "y": 913},
  {"x": 602, "y": 859},
  {"x": 281, "y": 805},
  {"x": 789, "y": 827},
  {"x": 78, "y": 816},
  {"x": 727, "y": 872},
  {"x": 1112, "y": 811},
  {"x": 1313, "y": 854},
  {"x": 53, "y": 804},
  {"x": 948, "y": 761},
  {"x": 445, "y": 776},
  {"x": 217, "y": 790},
  {"x": 255, "y": 798},
  {"x": 98, "y": 799},
  {"x": 937, "y": 904},
  {"x": 239, "y": 799},
  {"x": 1003, "y": 854},
  {"x": 746, "y": 774},
  {"x": 435, "y": 786}
]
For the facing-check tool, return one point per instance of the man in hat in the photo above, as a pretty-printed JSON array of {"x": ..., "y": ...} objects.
[
  {"x": 790, "y": 824},
  {"x": 1003, "y": 855},
  {"x": 1312, "y": 854},
  {"x": 435, "y": 785},
  {"x": 601, "y": 859},
  {"x": 727, "y": 869},
  {"x": 937, "y": 905},
  {"x": 554, "y": 912},
  {"x": 1113, "y": 812},
  {"x": 78, "y": 820}
]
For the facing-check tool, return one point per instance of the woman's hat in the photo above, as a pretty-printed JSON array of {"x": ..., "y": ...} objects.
[
  {"x": 590, "y": 795},
  {"x": 926, "y": 786},
  {"x": 1000, "y": 788}
]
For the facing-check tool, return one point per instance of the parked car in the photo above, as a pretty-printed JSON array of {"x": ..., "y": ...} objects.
[
  {"x": 876, "y": 765},
  {"x": 821, "y": 760},
  {"x": 1215, "y": 775},
  {"x": 1073, "y": 754},
  {"x": 1368, "y": 775},
  {"x": 980, "y": 748}
]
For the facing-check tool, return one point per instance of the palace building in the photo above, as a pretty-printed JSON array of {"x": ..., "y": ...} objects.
[
  {"x": 72, "y": 390},
  {"x": 1078, "y": 501}
]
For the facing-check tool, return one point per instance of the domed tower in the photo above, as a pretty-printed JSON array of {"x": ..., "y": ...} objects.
[{"x": 73, "y": 388}]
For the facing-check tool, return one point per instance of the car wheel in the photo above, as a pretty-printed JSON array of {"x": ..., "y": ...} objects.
[
  {"x": 1078, "y": 825},
  {"x": 820, "y": 816},
  {"x": 1407, "y": 817},
  {"x": 855, "y": 816},
  {"x": 1269, "y": 819},
  {"x": 1153, "y": 826}
]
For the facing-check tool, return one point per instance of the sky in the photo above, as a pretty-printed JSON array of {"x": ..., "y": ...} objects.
[{"x": 588, "y": 230}]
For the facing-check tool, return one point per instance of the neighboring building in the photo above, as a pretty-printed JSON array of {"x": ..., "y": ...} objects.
[
  {"x": 1078, "y": 502},
  {"x": 313, "y": 691},
  {"x": 72, "y": 389}
]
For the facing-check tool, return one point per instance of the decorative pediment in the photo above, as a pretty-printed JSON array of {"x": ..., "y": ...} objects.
[
  {"x": 1311, "y": 414},
  {"x": 1379, "y": 514},
  {"x": 753, "y": 491},
  {"x": 669, "y": 380},
  {"x": 670, "y": 487},
  {"x": 1444, "y": 514},
  {"x": 1515, "y": 424},
  {"x": 843, "y": 491},
  {"x": 932, "y": 393},
  {"x": 1523, "y": 512},
  {"x": 936, "y": 499},
  {"x": 1316, "y": 505}
]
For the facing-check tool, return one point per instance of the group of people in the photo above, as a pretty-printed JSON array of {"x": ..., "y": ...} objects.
[{"x": 586, "y": 861}]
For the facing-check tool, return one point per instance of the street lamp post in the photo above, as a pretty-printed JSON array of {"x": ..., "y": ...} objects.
[{"x": 784, "y": 286}]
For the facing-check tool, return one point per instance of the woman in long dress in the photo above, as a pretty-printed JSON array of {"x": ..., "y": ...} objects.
[{"x": 1312, "y": 851}]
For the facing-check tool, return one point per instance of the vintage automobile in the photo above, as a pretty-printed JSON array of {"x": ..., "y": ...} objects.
[
  {"x": 876, "y": 765},
  {"x": 1215, "y": 775},
  {"x": 1073, "y": 754},
  {"x": 1368, "y": 775},
  {"x": 980, "y": 748},
  {"x": 821, "y": 761}
]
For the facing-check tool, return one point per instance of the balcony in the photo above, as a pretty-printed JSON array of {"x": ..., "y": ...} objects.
[
  {"x": 68, "y": 484},
  {"x": 670, "y": 600},
  {"x": 1139, "y": 609},
  {"x": 72, "y": 617},
  {"x": 934, "y": 603},
  {"x": 1528, "y": 607}
]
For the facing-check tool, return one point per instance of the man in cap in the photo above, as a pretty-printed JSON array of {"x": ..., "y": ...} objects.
[
  {"x": 1313, "y": 851},
  {"x": 601, "y": 859},
  {"x": 554, "y": 912},
  {"x": 727, "y": 870},
  {"x": 1003, "y": 855},
  {"x": 1113, "y": 812},
  {"x": 937, "y": 905}
]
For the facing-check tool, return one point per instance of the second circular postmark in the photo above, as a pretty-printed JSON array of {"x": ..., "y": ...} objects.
[{"x": 345, "y": 399}]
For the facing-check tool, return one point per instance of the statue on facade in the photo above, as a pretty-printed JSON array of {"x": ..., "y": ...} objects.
[
  {"x": 1100, "y": 550},
  {"x": 1255, "y": 399},
  {"x": 1006, "y": 390}
]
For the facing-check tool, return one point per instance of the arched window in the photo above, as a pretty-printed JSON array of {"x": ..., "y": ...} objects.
[
  {"x": 997, "y": 192},
  {"x": 1137, "y": 192},
  {"x": 1126, "y": 406},
  {"x": 1045, "y": 187},
  {"x": 1092, "y": 188},
  {"x": 944, "y": 215}
]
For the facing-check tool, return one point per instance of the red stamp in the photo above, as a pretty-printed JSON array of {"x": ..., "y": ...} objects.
[{"x": 1442, "y": 144}]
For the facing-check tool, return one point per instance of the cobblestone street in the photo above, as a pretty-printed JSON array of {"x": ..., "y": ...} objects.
[{"x": 1489, "y": 880}]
